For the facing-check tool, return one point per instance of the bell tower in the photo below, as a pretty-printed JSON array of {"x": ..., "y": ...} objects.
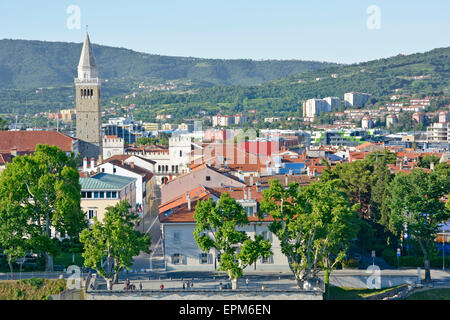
[{"x": 88, "y": 104}]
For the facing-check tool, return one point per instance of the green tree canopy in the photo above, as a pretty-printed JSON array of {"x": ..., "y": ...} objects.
[
  {"x": 417, "y": 207},
  {"x": 46, "y": 184},
  {"x": 315, "y": 225},
  {"x": 110, "y": 245},
  {"x": 217, "y": 228}
]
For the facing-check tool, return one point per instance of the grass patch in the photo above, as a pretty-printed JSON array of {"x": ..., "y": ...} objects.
[
  {"x": 433, "y": 294},
  {"x": 343, "y": 293},
  {"x": 31, "y": 289}
]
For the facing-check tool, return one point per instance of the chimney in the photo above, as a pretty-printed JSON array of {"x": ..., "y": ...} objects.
[
  {"x": 286, "y": 180},
  {"x": 431, "y": 165},
  {"x": 132, "y": 165},
  {"x": 92, "y": 163},
  {"x": 188, "y": 200},
  {"x": 100, "y": 160},
  {"x": 84, "y": 164}
]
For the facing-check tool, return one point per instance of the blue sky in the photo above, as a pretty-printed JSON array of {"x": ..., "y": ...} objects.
[{"x": 324, "y": 30}]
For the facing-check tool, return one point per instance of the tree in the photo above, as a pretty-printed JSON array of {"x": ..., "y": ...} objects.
[
  {"x": 425, "y": 162},
  {"x": 417, "y": 207},
  {"x": 216, "y": 228},
  {"x": 14, "y": 228},
  {"x": 357, "y": 177},
  {"x": 110, "y": 245},
  {"x": 3, "y": 124},
  {"x": 315, "y": 225},
  {"x": 46, "y": 184}
]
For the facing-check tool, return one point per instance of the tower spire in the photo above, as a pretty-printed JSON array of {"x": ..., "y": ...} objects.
[{"x": 87, "y": 67}]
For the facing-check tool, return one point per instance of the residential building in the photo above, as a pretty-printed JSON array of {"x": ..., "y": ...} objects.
[
  {"x": 356, "y": 99},
  {"x": 315, "y": 107},
  {"x": 104, "y": 190},
  {"x": 137, "y": 168},
  {"x": 391, "y": 120},
  {"x": 333, "y": 103},
  {"x": 181, "y": 251},
  {"x": 202, "y": 175},
  {"x": 367, "y": 123},
  {"x": 26, "y": 141},
  {"x": 438, "y": 132}
]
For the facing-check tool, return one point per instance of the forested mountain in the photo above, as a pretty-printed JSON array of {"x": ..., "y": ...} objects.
[
  {"x": 417, "y": 75},
  {"x": 33, "y": 64}
]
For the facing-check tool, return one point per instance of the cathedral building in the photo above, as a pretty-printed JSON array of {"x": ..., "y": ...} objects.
[{"x": 88, "y": 104}]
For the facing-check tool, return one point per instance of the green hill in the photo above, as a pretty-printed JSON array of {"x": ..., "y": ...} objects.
[
  {"x": 33, "y": 64},
  {"x": 418, "y": 75}
]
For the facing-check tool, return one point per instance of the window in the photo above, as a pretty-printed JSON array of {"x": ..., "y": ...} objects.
[
  {"x": 83, "y": 195},
  {"x": 176, "y": 237},
  {"x": 102, "y": 195},
  {"x": 249, "y": 211},
  {"x": 114, "y": 170},
  {"x": 114, "y": 194},
  {"x": 268, "y": 260},
  {"x": 205, "y": 258},
  {"x": 108, "y": 195},
  {"x": 89, "y": 195},
  {"x": 181, "y": 153},
  {"x": 178, "y": 258},
  {"x": 92, "y": 213},
  {"x": 208, "y": 178},
  {"x": 267, "y": 235},
  {"x": 96, "y": 195}
]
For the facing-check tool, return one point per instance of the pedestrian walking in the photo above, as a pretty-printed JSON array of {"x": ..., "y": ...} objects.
[
  {"x": 247, "y": 282},
  {"x": 161, "y": 287},
  {"x": 140, "y": 286},
  {"x": 184, "y": 285}
]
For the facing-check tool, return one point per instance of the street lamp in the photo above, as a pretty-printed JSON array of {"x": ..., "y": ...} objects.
[{"x": 443, "y": 251}]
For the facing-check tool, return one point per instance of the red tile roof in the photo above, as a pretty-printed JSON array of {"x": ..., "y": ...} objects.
[{"x": 28, "y": 140}]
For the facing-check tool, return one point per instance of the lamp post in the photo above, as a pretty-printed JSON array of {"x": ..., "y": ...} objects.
[{"x": 443, "y": 251}]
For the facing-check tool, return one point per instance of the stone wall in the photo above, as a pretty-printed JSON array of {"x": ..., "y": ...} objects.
[{"x": 205, "y": 295}]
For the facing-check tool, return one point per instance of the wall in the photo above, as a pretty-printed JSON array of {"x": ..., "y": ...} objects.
[
  {"x": 205, "y": 295},
  {"x": 188, "y": 247}
]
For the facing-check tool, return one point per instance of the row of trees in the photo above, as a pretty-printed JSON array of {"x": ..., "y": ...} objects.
[{"x": 317, "y": 224}]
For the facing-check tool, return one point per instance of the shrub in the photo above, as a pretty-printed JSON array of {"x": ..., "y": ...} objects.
[
  {"x": 390, "y": 256},
  {"x": 350, "y": 263}
]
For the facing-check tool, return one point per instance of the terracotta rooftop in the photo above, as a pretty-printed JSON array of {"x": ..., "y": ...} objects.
[{"x": 28, "y": 140}]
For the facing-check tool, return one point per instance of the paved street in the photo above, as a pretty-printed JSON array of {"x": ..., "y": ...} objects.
[{"x": 277, "y": 281}]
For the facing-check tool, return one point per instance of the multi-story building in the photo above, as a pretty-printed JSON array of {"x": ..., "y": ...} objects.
[
  {"x": 182, "y": 253},
  {"x": 391, "y": 120},
  {"x": 438, "y": 132},
  {"x": 333, "y": 102},
  {"x": 151, "y": 126},
  {"x": 356, "y": 99},
  {"x": 103, "y": 190},
  {"x": 367, "y": 122},
  {"x": 225, "y": 121},
  {"x": 125, "y": 128},
  {"x": 315, "y": 107}
]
